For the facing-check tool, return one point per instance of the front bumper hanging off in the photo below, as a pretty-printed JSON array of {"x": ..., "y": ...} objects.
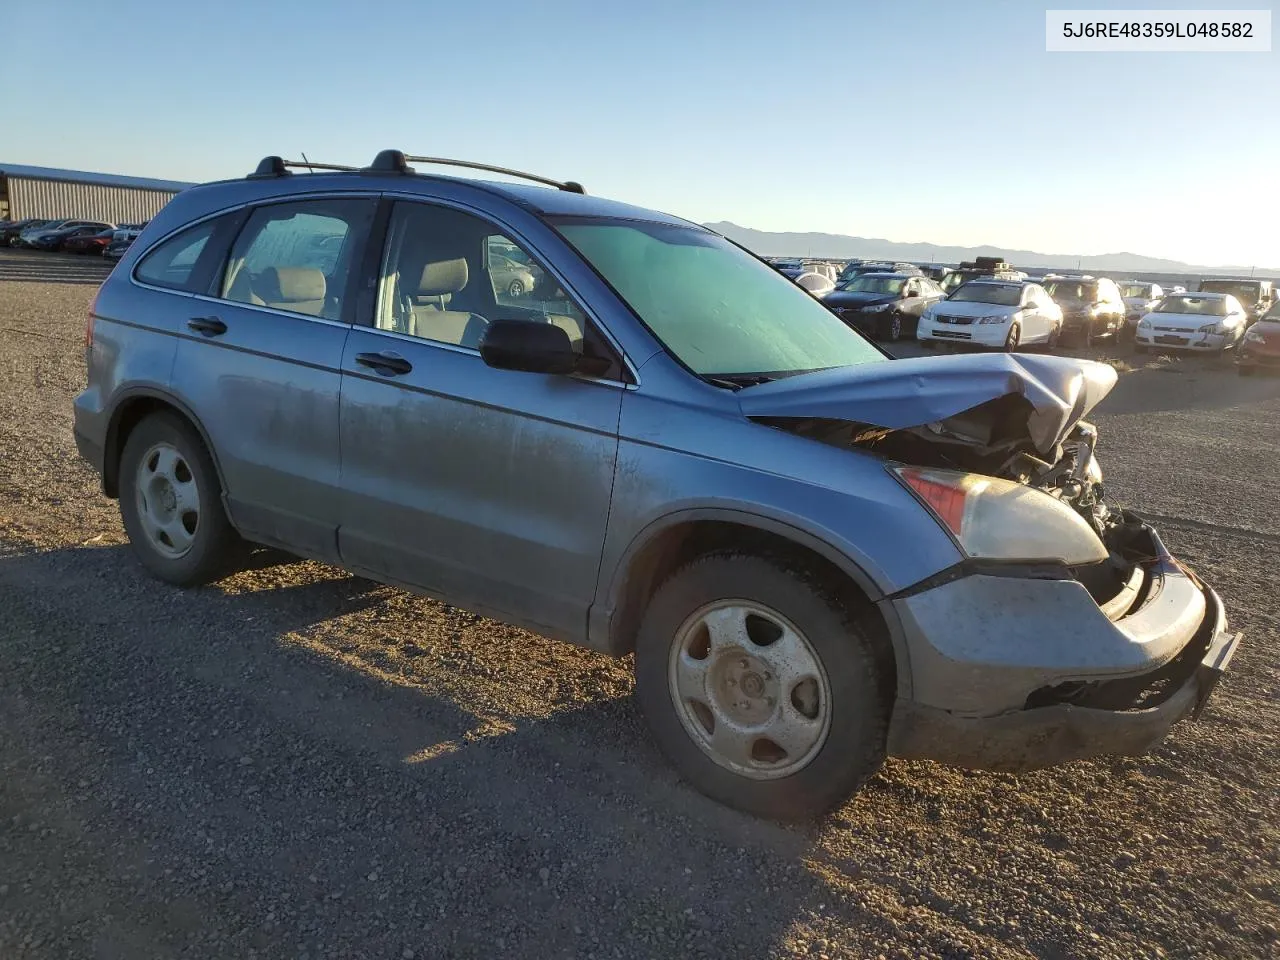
[{"x": 1089, "y": 714}]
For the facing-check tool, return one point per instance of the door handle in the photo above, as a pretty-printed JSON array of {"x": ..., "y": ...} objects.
[
  {"x": 209, "y": 326},
  {"x": 385, "y": 362}
]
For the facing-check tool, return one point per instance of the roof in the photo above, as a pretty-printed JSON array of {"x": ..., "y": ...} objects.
[
  {"x": 562, "y": 203},
  {"x": 97, "y": 179}
]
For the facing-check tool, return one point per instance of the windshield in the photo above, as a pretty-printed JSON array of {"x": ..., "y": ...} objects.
[
  {"x": 1072, "y": 290},
  {"x": 1136, "y": 290},
  {"x": 714, "y": 306},
  {"x": 1242, "y": 290},
  {"x": 1206, "y": 306},
  {"x": 888, "y": 286},
  {"x": 1000, "y": 294}
]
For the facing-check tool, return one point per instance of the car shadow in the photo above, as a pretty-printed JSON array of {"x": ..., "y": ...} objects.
[
  {"x": 36, "y": 266},
  {"x": 370, "y": 801}
]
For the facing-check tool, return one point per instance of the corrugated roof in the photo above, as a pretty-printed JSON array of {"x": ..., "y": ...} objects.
[{"x": 82, "y": 176}]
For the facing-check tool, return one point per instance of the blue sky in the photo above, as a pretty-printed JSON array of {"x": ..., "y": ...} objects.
[{"x": 876, "y": 120}]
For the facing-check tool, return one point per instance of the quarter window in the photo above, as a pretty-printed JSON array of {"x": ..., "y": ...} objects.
[
  {"x": 297, "y": 257},
  {"x": 172, "y": 264}
]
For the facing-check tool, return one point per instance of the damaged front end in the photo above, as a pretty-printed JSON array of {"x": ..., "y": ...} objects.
[{"x": 1069, "y": 630}]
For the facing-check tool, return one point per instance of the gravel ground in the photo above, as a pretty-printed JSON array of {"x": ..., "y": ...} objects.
[{"x": 298, "y": 763}]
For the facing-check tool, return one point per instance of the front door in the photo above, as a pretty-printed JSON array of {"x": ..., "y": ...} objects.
[{"x": 488, "y": 488}]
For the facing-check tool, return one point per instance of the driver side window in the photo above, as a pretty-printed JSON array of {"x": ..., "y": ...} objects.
[{"x": 447, "y": 274}]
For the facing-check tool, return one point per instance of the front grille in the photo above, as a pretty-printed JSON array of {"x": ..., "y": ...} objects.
[
  {"x": 949, "y": 318},
  {"x": 954, "y": 334}
]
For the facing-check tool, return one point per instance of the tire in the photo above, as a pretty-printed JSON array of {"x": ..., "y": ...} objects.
[
  {"x": 847, "y": 687},
  {"x": 515, "y": 289},
  {"x": 206, "y": 552},
  {"x": 1084, "y": 336},
  {"x": 1055, "y": 335},
  {"x": 892, "y": 327},
  {"x": 1013, "y": 339}
]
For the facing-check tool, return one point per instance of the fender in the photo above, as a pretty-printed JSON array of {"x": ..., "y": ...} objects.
[
  {"x": 119, "y": 402},
  {"x": 600, "y": 619}
]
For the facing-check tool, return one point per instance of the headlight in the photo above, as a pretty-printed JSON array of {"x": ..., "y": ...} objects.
[
  {"x": 1210, "y": 328},
  {"x": 994, "y": 318},
  {"x": 996, "y": 519},
  {"x": 877, "y": 308},
  {"x": 1144, "y": 322},
  {"x": 1253, "y": 336}
]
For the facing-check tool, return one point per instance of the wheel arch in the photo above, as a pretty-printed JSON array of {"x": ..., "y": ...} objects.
[
  {"x": 132, "y": 408},
  {"x": 674, "y": 540}
]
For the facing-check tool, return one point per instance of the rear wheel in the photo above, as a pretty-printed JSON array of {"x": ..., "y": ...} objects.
[
  {"x": 171, "y": 503},
  {"x": 761, "y": 686}
]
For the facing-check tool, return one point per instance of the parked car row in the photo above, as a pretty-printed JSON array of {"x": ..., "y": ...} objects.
[{"x": 70, "y": 235}]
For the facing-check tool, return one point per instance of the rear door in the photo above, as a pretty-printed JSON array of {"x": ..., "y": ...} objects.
[
  {"x": 488, "y": 488},
  {"x": 260, "y": 364}
]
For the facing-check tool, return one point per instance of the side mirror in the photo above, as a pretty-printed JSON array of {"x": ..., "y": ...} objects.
[{"x": 531, "y": 346}]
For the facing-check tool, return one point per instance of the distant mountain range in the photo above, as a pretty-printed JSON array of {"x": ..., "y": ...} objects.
[{"x": 838, "y": 246}]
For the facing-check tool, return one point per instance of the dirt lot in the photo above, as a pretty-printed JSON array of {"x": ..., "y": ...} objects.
[{"x": 298, "y": 763}]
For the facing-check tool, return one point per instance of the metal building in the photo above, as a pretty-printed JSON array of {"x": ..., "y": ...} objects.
[{"x": 50, "y": 193}]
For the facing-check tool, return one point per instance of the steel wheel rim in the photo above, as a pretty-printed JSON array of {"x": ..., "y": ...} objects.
[
  {"x": 749, "y": 689},
  {"x": 168, "y": 500},
  {"x": 516, "y": 289}
]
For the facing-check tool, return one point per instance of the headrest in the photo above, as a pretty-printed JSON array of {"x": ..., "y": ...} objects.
[
  {"x": 291, "y": 284},
  {"x": 443, "y": 276}
]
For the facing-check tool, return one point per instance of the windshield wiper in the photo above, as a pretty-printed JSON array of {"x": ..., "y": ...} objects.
[{"x": 736, "y": 381}]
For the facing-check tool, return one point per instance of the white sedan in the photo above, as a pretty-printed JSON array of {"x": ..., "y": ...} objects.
[
  {"x": 993, "y": 313},
  {"x": 1200, "y": 322},
  {"x": 819, "y": 284}
]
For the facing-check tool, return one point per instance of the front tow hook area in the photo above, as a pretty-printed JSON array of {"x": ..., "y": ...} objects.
[{"x": 1212, "y": 667}]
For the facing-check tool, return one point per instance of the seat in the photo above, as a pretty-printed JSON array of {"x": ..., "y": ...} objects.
[
  {"x": 296, "y": 289},
  {"x": 431, "y": 318}
]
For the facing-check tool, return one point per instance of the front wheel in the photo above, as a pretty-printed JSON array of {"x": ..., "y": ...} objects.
[
  {"x": 171, "y": 503},
  {"x": 1013, "y": 339},
  {"x": 763, "y": 689},
  {"x": 515, "y": 289},
  {"x": 891, "y": 328}
]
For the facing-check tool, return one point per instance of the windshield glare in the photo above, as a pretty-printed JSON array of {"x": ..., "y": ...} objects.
[
  {"x": 1061, "y": 290},
  {"x": 1140, "y": 290},
  {"x": 715, "y": 307},
  {"x": 1243, "y": 291},
  {"x": 1206, "y": 306},
  {"x": 888, "y": 286},
  {"x": 1003, "y": 295}
]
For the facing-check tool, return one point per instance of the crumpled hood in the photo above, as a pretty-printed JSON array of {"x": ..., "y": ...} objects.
[{"x": 899, "y": 394}]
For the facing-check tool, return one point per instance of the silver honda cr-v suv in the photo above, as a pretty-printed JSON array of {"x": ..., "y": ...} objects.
[{"x": 819, "y": 555}]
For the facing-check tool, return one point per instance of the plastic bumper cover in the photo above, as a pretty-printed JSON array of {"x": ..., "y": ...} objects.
[{"x": 1179, "y": 627}]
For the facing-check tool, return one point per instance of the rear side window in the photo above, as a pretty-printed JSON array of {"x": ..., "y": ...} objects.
[
  {"x": 172, "y": 264},
  {"x": 297, "y": 257}
]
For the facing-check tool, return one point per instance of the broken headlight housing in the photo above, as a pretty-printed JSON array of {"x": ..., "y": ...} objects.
[{"x": 994, "y": 519}]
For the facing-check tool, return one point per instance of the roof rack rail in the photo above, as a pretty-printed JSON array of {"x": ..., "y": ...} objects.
[
  {"x": 279, "y": 167},
  {"x": 393, "y": 160}
]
